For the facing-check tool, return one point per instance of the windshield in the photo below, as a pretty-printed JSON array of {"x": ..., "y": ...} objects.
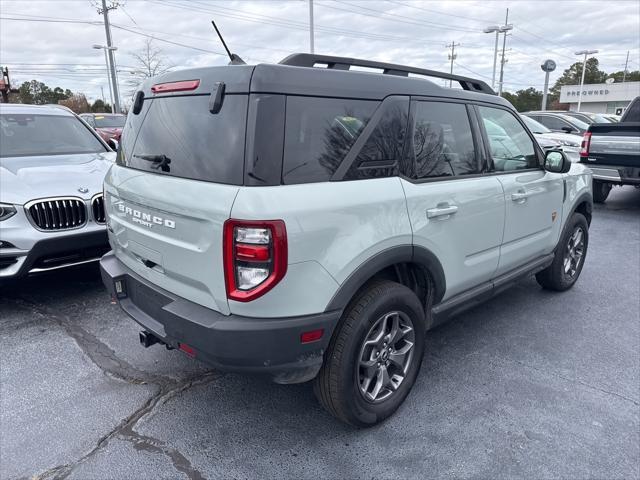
[
  {"x": 110, "y": 121},
  {"x": 535, "y": 127},
  {"x": 30, "y": 135},
  {"x": 575, "y": 122}
]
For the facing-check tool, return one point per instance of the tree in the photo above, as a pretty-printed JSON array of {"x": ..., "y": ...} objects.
[
  {"x": 525, "y": 100},
  {"x": 38, "y": 93},
  {"x": 150, "y": 62},
  {"x": 573, "y": 74},
  {"x": 76, "y": 102},
  {"x": 630, "y": 77},
  {"x": 100, "y": 107}
]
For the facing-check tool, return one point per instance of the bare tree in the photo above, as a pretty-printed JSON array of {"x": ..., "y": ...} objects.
[{"x": 149, "y": 62}]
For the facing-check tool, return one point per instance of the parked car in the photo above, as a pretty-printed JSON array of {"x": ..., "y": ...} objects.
[
  {"x": 559, "y": 122},
  {"x": 567, "y": 142},
  {"x": 614, "y": 118},
  {"x": 612, "y": 151},
  {"x": 51, "y": 171},
  {"x": 586, "y": 117},
  {"x": 109, "y": 126},
  {"x": 312, "y": 223}
]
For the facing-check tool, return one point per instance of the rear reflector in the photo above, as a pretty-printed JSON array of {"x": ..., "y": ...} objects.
[
  {"x": 187, "y": 349},
  {"x": 311, "y": 336},
  {"x": 181, "y": 86}
]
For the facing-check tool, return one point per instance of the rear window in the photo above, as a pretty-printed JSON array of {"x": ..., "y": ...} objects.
[
  {"x": 31, "y": 135},
  {"x": 109, "y": 121},
  {"x": 180, "y": 137},
  {"x": 319, "y": 133}
]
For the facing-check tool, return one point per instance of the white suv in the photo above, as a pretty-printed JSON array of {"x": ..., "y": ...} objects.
[{"x": 313, "y": 223}]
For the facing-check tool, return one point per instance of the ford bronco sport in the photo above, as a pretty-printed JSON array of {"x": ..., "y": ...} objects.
[{"x": 305, "y": 220}]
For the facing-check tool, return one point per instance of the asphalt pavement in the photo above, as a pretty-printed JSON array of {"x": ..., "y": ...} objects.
[{"x": 531, "y": 384}]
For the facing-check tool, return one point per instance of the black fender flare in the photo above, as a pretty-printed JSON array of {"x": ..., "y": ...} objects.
[{"x": 381, "y": 260}]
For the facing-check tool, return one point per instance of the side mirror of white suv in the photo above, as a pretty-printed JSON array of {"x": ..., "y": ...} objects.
[{"x": 556, "y": 161}]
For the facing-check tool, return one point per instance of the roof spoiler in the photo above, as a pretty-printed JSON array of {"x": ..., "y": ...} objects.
[{"x": 344, "y": 63}]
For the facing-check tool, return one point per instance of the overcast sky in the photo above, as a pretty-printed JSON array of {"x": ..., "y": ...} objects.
[{"x": 50, "y": 40}]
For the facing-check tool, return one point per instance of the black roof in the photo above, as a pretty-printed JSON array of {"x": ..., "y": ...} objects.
[{"x": 299, "y": 75}]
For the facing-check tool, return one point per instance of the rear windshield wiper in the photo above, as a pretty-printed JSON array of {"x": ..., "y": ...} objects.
[{"x": 159, "y": 161}]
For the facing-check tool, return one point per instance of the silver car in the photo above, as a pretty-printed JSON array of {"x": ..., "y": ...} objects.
[{"x": 52, "y": 166}]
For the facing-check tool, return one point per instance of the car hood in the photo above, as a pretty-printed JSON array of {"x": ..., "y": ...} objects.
[
  {"x": 562, "y": 137},
  {"x": 26, "y": 178}
]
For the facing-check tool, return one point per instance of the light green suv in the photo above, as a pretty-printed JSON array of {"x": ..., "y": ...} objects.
[{"x": 313, "y": 223}]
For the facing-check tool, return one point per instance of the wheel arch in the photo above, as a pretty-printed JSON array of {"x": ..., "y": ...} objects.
[
  {"x": 584, "y": 205},
  {"x": 413, "y": 266}
]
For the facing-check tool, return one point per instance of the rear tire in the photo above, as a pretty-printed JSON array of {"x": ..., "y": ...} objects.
[
  {"x": 569, "y": 257},
  {"x": 374, "y": 356},
  {"x": 601, "y": 191}
]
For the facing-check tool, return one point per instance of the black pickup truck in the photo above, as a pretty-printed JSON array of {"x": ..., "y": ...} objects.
[{"x": 612, "y": 152}]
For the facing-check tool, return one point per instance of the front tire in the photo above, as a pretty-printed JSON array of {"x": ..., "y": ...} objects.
[
  {"x": 374, "y": 357},
  {"x": 601, "y": 191},
  {"x": 569, "y": 257}
]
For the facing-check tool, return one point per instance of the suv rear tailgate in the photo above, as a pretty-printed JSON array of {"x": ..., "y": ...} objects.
[
  {"x": 169, "y": 231},
  {"x": 178, "y": 171}
]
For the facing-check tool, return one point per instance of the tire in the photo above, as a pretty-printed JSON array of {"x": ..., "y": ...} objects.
[
  {"x": 601, "y": 191},
  {"x": 373, "y": 313},
  {"x": 559, "y": 276}
]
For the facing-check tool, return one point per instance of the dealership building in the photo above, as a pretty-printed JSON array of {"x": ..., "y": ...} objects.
[{"x": 601, "y": 97}]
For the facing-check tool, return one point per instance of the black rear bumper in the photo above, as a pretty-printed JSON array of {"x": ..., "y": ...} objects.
[{"x": 268, "y": 346}]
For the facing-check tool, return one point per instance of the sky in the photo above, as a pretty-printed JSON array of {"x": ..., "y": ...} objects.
[{"x": 51, "y": 40}]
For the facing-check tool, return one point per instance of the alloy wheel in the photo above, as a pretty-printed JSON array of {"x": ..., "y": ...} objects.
[
  {"x": 385, "y": 356},
  {"x": 574, "y": 252}
]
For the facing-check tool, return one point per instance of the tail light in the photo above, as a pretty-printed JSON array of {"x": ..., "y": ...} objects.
[
  {"x": 255, "y": 257},
  {"x": 586, "y": 143}
]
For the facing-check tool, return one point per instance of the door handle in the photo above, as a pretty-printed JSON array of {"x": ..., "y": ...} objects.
[
  {"x": 519, "y": 197},
  {"x": 442, "y": 210}
]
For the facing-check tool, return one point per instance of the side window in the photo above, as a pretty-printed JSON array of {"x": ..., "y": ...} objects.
[
  {"x": 382, "y": 151},
  {"x": 633, "y": 111},
  {"x": 442, "y": 142},
  {"x": 552, "y": 123},
  {"x": 510, "y": 144},
  {"x": 319, "y": 132}
]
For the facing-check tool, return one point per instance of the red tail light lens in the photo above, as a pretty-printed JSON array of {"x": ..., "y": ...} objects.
[
  {"x": 181, "y": 86},
  {"x": 255, "y": 257},
  {"x": 586, "y": 143}
]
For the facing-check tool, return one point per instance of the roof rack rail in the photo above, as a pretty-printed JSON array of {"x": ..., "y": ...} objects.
[{"x": 345, "y": 63}]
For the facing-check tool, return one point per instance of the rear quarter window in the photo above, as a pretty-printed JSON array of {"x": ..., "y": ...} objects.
[{"x": 319, "y": 132}]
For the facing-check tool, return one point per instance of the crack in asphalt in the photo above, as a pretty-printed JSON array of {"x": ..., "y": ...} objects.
[
  {"x": 108, "y": 362},
  {"x": 125, "y": 430}
]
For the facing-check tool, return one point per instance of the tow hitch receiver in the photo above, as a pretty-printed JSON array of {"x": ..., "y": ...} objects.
[{"x": 147, "y": 339}]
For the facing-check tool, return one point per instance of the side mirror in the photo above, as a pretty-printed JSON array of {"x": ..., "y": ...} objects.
[
  {"x": 567, "y": 129},
  {"x": 556, "y": 161}
]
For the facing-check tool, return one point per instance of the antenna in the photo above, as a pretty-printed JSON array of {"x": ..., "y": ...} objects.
[{"x": 235, "y": 59}]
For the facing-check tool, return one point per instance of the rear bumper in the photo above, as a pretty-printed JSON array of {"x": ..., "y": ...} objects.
[
  {"x": 616, "y": 175},
  {"x": 268, "y": 346}
]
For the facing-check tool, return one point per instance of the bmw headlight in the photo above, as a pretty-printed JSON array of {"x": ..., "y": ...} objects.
[{"x": 6, "y": 211}]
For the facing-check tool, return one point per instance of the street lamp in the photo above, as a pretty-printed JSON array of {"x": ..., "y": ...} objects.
[
  {"x": 584, "y": 67},
  {"x": 109, "y": 74},
  {"x": 498, "y": 30}
]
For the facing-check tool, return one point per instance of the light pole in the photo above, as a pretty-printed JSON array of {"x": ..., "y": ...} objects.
[
  {"x": 498, "y": 30},
  {"x": 491, "y": 29},
  {"x": 584, "y": 67},
  {"x": 311, "y": 33},
  {"x": 106, "y": 59}
]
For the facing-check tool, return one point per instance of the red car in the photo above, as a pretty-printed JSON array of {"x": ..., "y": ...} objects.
[{"x": 109, "y": 126}]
